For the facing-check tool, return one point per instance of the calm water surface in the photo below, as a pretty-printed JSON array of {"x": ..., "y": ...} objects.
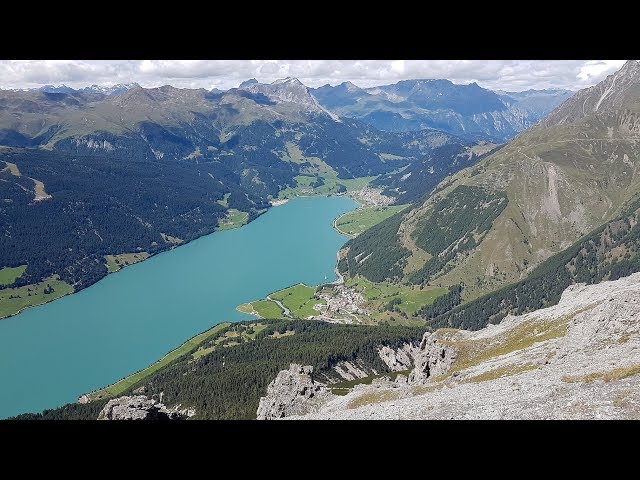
[{"x": 51, "y": 354}]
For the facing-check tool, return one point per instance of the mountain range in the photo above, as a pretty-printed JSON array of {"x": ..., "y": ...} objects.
[
  {"x": 195, "y": 158},
  {"x": 101, "y": 89},
  {"x": 251, "y": 143},
  {"x": 463, "y": 110},
  {"x": 493, "y": 224},
  {"x": 505, "y": 201}
]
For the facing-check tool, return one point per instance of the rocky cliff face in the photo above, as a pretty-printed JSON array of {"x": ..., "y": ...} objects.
[
  {"x": 289, "y": 90},
  {"x": 140, "y": 407},
  {"x": 399, "y": 359},
  {"x": 432, "y": 359},
  {"x": 293, "y": 392},
  {"x": 579, "y": 359},
  {"x": 616, "y": 94}
]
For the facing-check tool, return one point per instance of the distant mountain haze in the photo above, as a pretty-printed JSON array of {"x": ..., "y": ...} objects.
[
  {"x": 129, "y": 168},
  {"x": 491, "y": 224},
  {"x": 464, "y": 110}
]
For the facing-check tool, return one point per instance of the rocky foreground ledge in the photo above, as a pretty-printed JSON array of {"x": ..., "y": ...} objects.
[
  {"x": 579, "y": 359},
  {"x": 140, "y": 407}
]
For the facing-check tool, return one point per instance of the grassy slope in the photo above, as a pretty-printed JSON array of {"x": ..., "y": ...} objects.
[
  {"x": 298, "y": 299},
  {"x": 8, "y": 275},
  {"x": 331, "y": 183},
  {"x": 411, "y": 297},
  {"x": 22, "y": 299},
  {"x": 316, "y": 169},
  {"x": 235, "y": 218},
  {"x": 171, "y": 239},
  {"x": 225, "y": 200},
  {"x": 267, "y": 309},
  {"x": 355, "y": 222},
  {"x": 561, "y": 182},
  {"x": 116, "y": 262}
]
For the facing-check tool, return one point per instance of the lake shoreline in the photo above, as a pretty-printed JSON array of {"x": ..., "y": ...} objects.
[
  {"x": 166, "y": 358},
  {"x": 123, "y": 325},
  {"x": 23, "y": 309},
  {"x": 275, "y": 203}
]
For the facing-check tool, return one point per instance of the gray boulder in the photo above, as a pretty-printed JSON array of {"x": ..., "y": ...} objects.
[
  {"x": 432, "y": 359},
  {"x": 138, "y": 407},
  {"x": 400, "y": 359},
  {"x": 292, "y": 392}
]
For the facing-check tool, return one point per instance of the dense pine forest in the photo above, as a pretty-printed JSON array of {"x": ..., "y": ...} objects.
[
  {"x": 103, "y": 206},
  {"x": 455, "y": 225},
  {"x": 382, "y": 243},
  {"x": 413, "y": 183},
  {"x": 228, "y": 382},
  {"x": 608, "y": 253}
]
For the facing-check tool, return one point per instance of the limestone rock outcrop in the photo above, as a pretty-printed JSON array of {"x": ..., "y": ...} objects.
[
  {"x": 399, "y": 359},
  {"x": 292, "y": 392},
  {"x": 139, "y": 407},
  {"x": 432, "y": 359},
  {"x": 579, "y": 359}
]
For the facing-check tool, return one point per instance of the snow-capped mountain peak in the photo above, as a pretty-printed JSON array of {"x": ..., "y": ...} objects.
[
  {"x": 106, "y": 90},
  {"x": 101, "y": 89}
]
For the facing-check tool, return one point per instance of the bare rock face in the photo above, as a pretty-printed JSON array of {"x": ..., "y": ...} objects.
[
  {"x": 350, "y": 370},
  {"x": 579, "y": 359},
  {"x": 400, "y": 359},
  {"x": 432, "y": 359},
  {"x": 139, "y": 407},
  {"x": 293, "y": 392}
]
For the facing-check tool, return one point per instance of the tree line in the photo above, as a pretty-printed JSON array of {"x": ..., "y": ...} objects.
[
  {"x": 228, "y": 382},
  {"x": 610, "y": 252}
]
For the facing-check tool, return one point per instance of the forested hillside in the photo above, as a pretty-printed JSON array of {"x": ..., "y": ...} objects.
[
  {"x": 452, "y": 227},
  {"x": 85, "y": 175},
  {"x": 227, "y": 381},
  {"x": 610, "y": 252},
  {"x": 493, "y": 223},
  {"x": 415, "y": 181},
  {"x": 104, "y": 206}
]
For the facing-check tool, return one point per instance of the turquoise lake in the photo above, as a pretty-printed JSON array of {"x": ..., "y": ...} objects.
[{"x": 51, "y": 354}]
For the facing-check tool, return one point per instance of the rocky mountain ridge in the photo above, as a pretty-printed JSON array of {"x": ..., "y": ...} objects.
[
  {"x": 292, "y": 392},
  {"x": 579, "y": 359},
  {"x": 618, "y": 93},
  {"x": 140, "y": 407},
  {"x": 289, "y": 90},
  {"x": 465, "y": 110},
  {"x": 549, "y": 186}
]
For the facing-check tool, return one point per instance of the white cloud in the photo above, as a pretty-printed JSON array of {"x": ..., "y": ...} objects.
[
  {"x": 595, "y": 68},
  {"x": 513, "y": 75},
  {"x": 398, "y": 66}
]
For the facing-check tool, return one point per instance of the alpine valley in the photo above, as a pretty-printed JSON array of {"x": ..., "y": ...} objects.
[{"x": 490, "y": 267}]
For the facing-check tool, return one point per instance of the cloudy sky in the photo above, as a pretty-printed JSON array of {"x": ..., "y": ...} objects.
[{"x": 512, "y": 75}]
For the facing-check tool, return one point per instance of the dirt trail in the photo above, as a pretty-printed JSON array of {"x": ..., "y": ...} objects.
[{"x": 286, "y": 311}]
